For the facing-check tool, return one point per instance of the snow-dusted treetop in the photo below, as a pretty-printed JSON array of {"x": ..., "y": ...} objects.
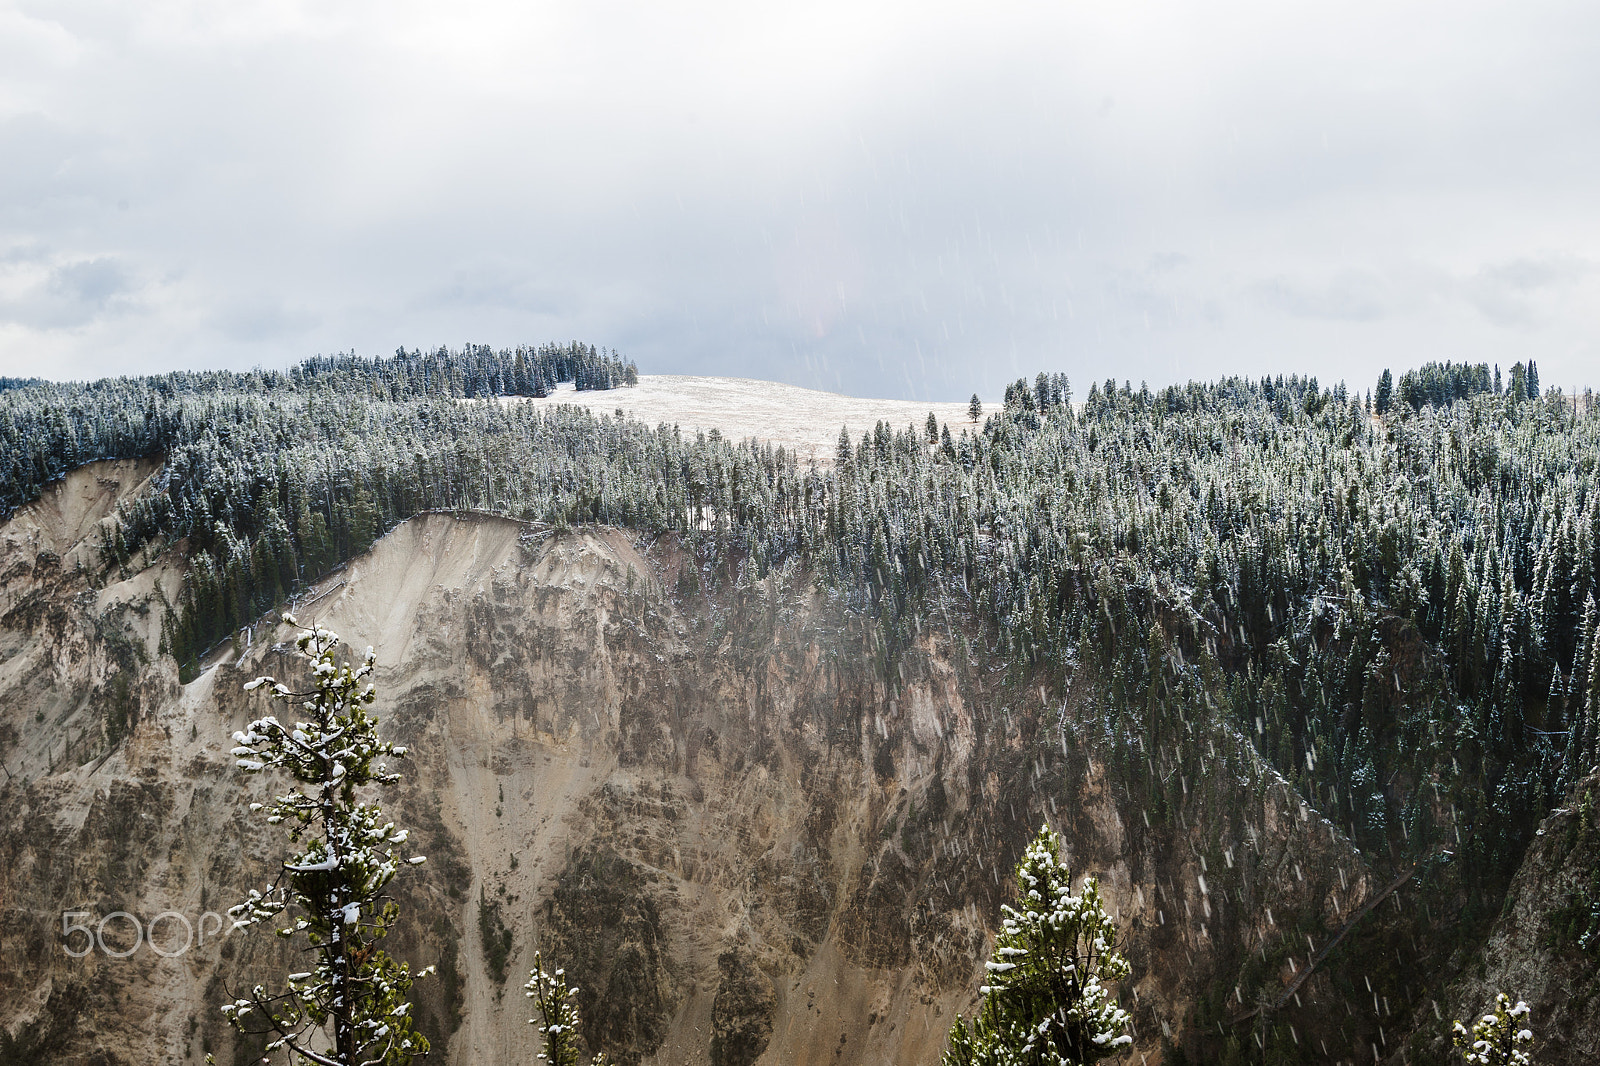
[
  {"x": 350, "y": 1007},
  {"x": 1497, "y": 1039},
  {"x": 1045, "y": 1001},
  {"x": 559, "y": 1022}
]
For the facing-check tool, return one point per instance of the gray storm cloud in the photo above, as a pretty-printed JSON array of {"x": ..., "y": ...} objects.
[{"x": 910, "y": 200}]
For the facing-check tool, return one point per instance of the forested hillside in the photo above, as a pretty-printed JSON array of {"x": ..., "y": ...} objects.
[{"x": 1397, "y": 608}]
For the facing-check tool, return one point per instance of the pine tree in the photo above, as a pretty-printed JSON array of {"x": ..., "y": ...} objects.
[
  {"x": 1518, "y": 387},
  {"x": 350, "y": 1008},
  {"x": 975, "y": 408},
  {"x": 1496, "y": 1039},
  {"x": 1383, "y": 399},
  {"x": 559, "y": 1022},
  {"x": 1046, "y": 1003},
  {"x": 1588, "y": 742}
]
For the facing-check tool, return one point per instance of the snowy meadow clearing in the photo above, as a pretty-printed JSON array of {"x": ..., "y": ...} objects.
[{"x": 804, "y": 421}]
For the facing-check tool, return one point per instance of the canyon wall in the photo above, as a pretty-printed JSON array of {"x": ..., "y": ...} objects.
[{"x": 695, "y": 789}]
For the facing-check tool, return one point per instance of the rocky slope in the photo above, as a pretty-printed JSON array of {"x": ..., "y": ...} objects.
[
  {"x": 1545, "y": 947},
  {"x": 693, "y": 788}
]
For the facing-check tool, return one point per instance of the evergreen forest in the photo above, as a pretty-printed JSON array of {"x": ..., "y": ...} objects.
[{"x": 1392, "y": 599}]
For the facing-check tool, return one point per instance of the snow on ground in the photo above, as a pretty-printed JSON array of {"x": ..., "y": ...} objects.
[{"x": 803, "y": 420}]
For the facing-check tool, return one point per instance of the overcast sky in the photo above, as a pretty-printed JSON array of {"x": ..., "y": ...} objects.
[{"x": 913, "y": 200}]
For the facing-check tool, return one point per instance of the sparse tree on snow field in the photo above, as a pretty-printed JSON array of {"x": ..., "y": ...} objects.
[
  {"x": 932, "y": 428},
  {"x": 1046, "y": 1001},
  {"x": 349, "y": 1007},
  {"x": 1496, "y": 1039},
  {"x": 975, "y": 407},
  {"x": 559, "y": 1022}
]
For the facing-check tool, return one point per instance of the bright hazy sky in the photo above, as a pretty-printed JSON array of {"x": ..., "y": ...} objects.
[{"x": 899, "y": 199}]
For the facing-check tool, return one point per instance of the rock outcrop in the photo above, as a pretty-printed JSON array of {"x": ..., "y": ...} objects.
[{"x": 1545, "y": 946}]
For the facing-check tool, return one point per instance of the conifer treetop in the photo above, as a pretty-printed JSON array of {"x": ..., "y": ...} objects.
[
  {"x": 350, "y": 1007},
  {"x": 559, "y": 1022},
  {"x": 1497, "y": 1038},
  {"x": 1045, "y": 1001}
]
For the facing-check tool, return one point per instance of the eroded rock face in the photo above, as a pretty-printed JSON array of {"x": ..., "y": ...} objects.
[
  {"x": 741, "y": 841},
  {"x": 1537, "y": 951},
  {"x": 741, "y": 1013},
  {"x": 602, "y": 921}
]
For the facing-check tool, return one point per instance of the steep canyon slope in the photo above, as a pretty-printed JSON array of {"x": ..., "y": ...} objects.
[{"x": 699, "y": 791}]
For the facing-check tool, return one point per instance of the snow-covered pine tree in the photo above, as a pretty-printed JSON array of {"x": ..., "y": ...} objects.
[
  {"x": 350, "y": 1006},
  {"x": 1588, "y": 744},
  {"x": 559, "y": 1022},
  {"x": 1383, "y": 399},
  {"x": 1496, "y": 1039},
  {"x": 1046, "y": 1001}
]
